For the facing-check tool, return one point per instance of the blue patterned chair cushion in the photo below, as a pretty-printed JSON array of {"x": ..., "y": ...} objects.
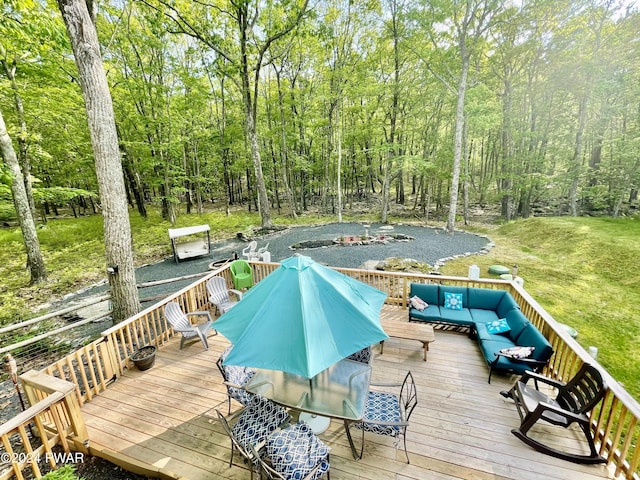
[
  {"x": 260, "y": 418},
  {"x": 238, "y": 376},
  {"x": 296, "y": 451},
  {"x": 362, "y": 356},
  {"x": 381, "y": 407},
  {"x": 240, "y": 395}
]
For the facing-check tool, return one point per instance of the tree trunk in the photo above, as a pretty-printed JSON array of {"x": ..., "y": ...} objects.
[
  {"x": 465, "y": 179},
  {"x": 250, "y": 107},
  {"x": 25, "y": 218},
  {"x": 457, "y": 154},
  {"x": 263, "y": 198},
  {"x": 575, "y": 167},
  {"x": 23, "y": 157},
  {"x": 391, "y": 153},
  {"x": 283, "y": 150},
  {"x": 133, "y": 179},
  {"x": 506, "y": 153},
  {"x": 339, "y": 167},
  {"x": 104, "y": 140}
]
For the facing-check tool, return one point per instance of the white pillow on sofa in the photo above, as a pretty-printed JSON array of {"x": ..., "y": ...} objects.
[{"x": 417, "y": 303}]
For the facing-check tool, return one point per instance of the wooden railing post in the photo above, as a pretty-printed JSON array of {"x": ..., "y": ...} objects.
[
  {"x": 38, "y": 383},
  {"x": 108, "y": 354},
  {"x": 80, "y": 436}
]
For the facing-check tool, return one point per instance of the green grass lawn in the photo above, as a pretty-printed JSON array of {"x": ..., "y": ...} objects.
[
  {"x": 73, "y": 251},
  {"x": 583, "y": 271}
]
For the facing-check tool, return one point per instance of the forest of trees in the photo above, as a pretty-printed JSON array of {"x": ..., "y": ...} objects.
[{"x": 288, "y": 105}]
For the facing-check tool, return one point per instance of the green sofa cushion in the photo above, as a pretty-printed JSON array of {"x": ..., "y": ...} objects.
[
  {"x": 427, "y": 292},
  {"x": 517, "y": 322},
  {"x": 483, "y": 316},
  {"x": 431, "y": 313},
  {"x": 506, "y": 305},
  {"x": 532, "y": 337},
  {"x": 484, "y": 298},
  {"x": 458, "y": 317},
  {"x": 490, "y": 346}
]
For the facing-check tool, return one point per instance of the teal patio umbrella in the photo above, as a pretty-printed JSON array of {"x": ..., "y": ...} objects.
[{"x": 302, "y": 318}]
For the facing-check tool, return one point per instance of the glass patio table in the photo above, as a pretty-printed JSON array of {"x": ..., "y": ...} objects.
[{"x": 338, "y": 392}]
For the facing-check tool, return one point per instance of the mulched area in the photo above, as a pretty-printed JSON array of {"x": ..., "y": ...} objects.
[
  {"x": 94, "y": 468},
  {"x": 86, "y": 467}
]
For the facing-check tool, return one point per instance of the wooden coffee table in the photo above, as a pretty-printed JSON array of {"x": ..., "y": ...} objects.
[{"x": 422, "y": 333}]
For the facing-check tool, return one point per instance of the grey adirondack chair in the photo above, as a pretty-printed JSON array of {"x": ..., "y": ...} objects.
[
  {"x": 219, "y": 294},
  {"x": 180, "y": 323}
]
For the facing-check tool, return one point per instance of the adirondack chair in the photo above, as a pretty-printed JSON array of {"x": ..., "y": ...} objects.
[
  {"x": 180, "y": 323},
  {"x": 219, "y": 294},
  {"x": 263, "y": 252}
]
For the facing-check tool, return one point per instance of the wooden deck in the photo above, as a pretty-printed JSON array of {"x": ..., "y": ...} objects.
[{"x": 164, "y": 418}]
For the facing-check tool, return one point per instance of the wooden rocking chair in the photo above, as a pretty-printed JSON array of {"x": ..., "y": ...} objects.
[{"x": 573, "y": 402}]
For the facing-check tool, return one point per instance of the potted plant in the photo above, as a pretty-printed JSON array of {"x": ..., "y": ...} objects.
[{"x": 144, "y": 357}]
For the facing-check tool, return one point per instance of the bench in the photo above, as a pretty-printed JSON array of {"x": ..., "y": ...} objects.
[{"x": 408, "y": 331}]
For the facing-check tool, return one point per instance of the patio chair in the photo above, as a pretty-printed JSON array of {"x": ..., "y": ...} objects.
[
  {"x": 362, "y": 356},
  {"x": 249, "y": 428},
  {"x": 180, "y": 323},
  {"x": 219, "y": 294},
  {"x": 262, "y": 251},
  {"x": 295, "y": 453},
  {"x": 235, "y": 378},
  {"x": 241, "y": 274},
  {"x": 572, "y": 404},
  {"x": 250, "y": 251},
  {"x": 388, "y": 413}
]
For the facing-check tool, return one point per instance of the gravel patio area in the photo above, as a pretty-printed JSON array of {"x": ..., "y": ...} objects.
[{"x": 430, "y": 245}]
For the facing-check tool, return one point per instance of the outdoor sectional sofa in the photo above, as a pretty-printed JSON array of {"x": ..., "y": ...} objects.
[{"x": 494, "y": 319}]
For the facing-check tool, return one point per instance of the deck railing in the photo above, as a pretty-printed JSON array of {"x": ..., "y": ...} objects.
[
  {"x": 615, "y": 422},
  {"x": 54, "y": 418}
]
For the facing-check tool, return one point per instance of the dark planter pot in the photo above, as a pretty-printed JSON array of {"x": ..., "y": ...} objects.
[{"x": 144, "y": 357}]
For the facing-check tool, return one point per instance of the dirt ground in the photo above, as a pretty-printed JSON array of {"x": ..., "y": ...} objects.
[
  {"x": 86, "y": 467},
  {"x": 94, "y": 468}
]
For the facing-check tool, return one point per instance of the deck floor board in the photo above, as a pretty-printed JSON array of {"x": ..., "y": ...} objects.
[{"x": 165, "y": 417}]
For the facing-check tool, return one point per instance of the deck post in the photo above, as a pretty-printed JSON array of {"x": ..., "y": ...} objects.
[
  {"x": 38, "y": 384},
  {"x": 107, "y": 354}
]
